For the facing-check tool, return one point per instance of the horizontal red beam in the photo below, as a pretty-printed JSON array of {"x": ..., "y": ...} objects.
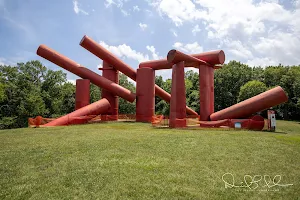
[
  {"x": 216, "y": 57},
  {"x": 175, "y": 56}
]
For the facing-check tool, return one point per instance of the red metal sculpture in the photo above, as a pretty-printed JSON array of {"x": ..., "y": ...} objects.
[{"x": 238, "y": 115}]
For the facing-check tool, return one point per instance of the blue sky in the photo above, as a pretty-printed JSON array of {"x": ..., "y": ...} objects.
[{"x": 256, "y": 32}]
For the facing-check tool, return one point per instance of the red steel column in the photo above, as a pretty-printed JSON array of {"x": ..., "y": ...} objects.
[
  {"x": 112, "y": 74},
  {"x": 145, "y": 95},
  {"x": 82, "y": 94},
  {"x": 178, "y": 99},
  {"x": 206, "y": 80}
]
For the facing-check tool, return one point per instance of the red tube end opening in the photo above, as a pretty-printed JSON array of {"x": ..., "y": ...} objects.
[
  {"x": 221, "y": 57},
  {"x": 82, "y": 40},
  {"x": 171, "y": 55}
]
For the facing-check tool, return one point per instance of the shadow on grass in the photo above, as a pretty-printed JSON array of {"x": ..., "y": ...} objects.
[
  {"x": 193, "y": 128},
  {"x": 276, "y": 132},
  {"x": 217, "y": 129}
]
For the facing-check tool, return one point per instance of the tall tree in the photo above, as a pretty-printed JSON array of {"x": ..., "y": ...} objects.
[
  {"x": 126, "y": 107},
  {"x": 251, "y": 89},
  {"x": 228, "y": 81}
]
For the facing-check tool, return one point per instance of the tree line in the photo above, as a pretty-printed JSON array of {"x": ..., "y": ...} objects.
[{"x": 30, "y": 89}]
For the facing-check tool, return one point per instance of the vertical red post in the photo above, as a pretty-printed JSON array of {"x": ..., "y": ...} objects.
[
  {"x": 82, "y": 94},
  {"x": 206, "y": 80},
  {"x": 112, "y": 74},
  {"x": 145, "y": 94},
  {"x": 178, "y": 100}
]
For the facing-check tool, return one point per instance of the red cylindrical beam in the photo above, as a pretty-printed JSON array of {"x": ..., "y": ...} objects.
[
  {"x": 102, "y": 53},
  {"x": 253, "y": 105},
  {"x": 84, "y": 73},
  {"x": 175, "y": 56},
  {"x": 118, "y": 64},
  {"x": 216, "y": 57},
  {"x": 112, "y": 74},
  {"x": 157, "y": 64},
  {"x": 212, "y": 57},
  {"x": 145, "y": 92},
  {"x": 82, "y": 94},
  {"x": 178, "y": 99},
  {"x": 206, "y": 81},
  {"x": 96, "y": 108}
]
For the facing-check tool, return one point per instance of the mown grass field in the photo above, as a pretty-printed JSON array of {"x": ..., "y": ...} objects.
[{"x": 136, "y": 161}]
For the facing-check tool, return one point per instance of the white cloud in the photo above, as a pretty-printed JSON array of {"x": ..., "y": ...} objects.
[
  {"x": 196, "y": 29},
  {"x": 238, "y": 49},
  {"x": 124, "y": 12},
  {"x": 178, "y": 10},
  {"x": 109, "y": 3},
  {"x": 149, "y": 12},
  {"x": 174, "y": 32},
  {"x": 297, "y": 3},
  {"x": 125, "y": 51},
  {"x": 136, "y": 8},
  {"x": 166, "y": 73},
  {"x": 143, "y": 26},
  {"x": 281, "y": 47},
  {"x": 15, "y": 59},
  {"x": 78, "y": 10},
  {"x": 262, "y": 62},
  {"x": 210, "y": 35},
  {"x": 118, "y": 3},
  {"x": 222, "y": 15},
  {"x": 155, "y": 55},
  {"x": 2, "y": 61},
  {"x": 71, "y": 81},
  {"x": 258, "y": 31},
  {"x": 188, "y": 48}
]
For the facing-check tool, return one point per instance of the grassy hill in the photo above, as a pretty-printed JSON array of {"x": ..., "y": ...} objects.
[{"x": 136, "y": 161}]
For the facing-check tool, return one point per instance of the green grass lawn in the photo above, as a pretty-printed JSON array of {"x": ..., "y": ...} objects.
[{"x": 136, "y": 161}]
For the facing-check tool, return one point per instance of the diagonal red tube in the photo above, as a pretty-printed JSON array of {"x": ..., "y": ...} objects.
[
  {"x": 84, "y": 73},
  {"x": 175, "y": 56},
  {"x": 255, "y": 104},
  {"x": 96, "y": 108}
]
